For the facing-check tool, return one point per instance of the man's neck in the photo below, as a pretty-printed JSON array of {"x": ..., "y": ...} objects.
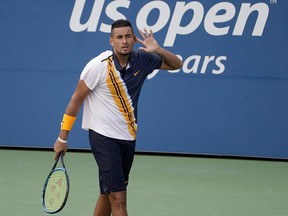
[{"x": 122, "y": 59}]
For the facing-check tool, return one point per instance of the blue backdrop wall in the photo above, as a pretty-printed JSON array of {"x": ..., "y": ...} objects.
[{"x": 229, "y": 98}]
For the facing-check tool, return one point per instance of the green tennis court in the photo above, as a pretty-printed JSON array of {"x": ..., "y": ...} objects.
[{"x": 159, "y": 185}]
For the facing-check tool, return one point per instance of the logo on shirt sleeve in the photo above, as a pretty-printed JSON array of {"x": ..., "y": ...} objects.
[{"x": 135, "y": 73}]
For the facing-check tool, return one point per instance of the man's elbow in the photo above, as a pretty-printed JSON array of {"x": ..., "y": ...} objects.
[{"x": 179, "y": 64}]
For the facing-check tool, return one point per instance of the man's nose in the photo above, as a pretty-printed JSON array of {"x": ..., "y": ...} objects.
[{"x": 124, "y": 40}]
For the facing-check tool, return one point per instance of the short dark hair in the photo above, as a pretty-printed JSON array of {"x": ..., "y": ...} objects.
[{"x": 121, "y": 23}]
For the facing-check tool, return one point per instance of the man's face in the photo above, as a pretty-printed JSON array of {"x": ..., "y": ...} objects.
[{"x": 122, "y": 40}]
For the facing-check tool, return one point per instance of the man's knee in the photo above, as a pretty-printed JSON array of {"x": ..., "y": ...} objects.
[{"x": 118, "y": 199}]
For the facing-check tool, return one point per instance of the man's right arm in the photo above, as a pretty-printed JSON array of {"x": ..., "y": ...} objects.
[{"x": 73, "y": 108}]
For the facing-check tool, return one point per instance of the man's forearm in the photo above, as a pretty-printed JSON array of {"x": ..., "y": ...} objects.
[{"x": 170, "y": 59}]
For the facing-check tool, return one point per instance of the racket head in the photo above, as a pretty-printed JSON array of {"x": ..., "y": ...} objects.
[{"x": 55, "y": 191}]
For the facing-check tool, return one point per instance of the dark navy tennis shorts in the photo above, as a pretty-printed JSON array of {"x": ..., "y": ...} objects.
[{"x": 114, "y": 159}]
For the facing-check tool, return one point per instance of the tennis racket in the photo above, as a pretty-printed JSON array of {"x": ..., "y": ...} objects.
[{"x": 56, "y": 188}]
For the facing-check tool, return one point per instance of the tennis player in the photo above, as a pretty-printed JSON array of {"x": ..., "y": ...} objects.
[{"x": 109, "y": 87}]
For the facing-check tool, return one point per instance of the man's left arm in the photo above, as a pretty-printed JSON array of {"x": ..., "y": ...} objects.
[{"x": 170, "y": 60}]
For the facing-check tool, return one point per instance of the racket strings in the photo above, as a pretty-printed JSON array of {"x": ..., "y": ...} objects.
[{"x": 55, "y": 192}]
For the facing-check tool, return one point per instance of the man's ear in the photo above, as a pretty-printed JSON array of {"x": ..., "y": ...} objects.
[
  {"x": 135, "y": 39},
  {"x": 111, "y": 41}
]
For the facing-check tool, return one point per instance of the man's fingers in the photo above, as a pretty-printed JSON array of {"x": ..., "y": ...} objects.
[
  {"x": 142, "y": 34},
  {"x": 56, "y": 155},
  {"x": 146, "y": 34}
]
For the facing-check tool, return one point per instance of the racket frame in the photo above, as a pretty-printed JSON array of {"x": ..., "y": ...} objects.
[{"x": 54, "y": 169}]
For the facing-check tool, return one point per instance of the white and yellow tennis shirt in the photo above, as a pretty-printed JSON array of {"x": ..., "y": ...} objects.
[{"x": 111, "y": 107}]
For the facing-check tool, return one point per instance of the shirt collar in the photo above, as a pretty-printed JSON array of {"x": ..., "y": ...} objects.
[{"x": 117, "y": 64}]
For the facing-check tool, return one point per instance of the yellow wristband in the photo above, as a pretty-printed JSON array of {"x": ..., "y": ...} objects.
[{"x": 67, "y": 122}]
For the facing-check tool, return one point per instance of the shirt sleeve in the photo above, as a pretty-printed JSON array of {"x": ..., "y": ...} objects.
[
  {"x": 92, "y": 73},
  {"x": 158, "y": 60},
  {"x": 152, "y": 61}
]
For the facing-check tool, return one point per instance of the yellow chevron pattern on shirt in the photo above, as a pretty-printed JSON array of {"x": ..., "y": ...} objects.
[{"x": 120, "y": 97}]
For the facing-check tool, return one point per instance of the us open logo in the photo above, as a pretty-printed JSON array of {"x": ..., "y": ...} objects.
[{"x": 220, "y": 19}]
